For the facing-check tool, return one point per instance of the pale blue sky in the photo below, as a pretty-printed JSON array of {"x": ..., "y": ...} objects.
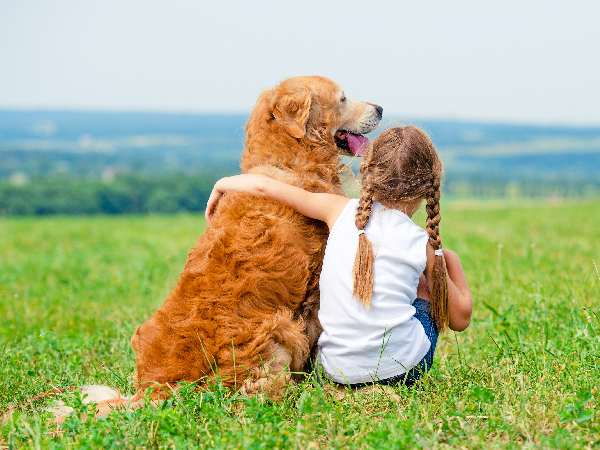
[{"x": 534, "y": 61}]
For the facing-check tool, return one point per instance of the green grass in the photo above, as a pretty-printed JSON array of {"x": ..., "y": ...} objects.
[{"x": 524, "y": 374}]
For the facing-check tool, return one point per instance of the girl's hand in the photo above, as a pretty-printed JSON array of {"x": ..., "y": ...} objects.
[
  {"x": 460, "y": 302},
  {"x": 211, "y": 205},
  {"x": 238, "y": 183}
]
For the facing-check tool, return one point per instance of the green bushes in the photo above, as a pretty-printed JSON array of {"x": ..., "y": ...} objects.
[
  {"x": 126, "y": 194},
  {"x": 140, "y": 194}
]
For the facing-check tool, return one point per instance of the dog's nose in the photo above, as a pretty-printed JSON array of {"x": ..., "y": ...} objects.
[{"x": 379, "y": 110}]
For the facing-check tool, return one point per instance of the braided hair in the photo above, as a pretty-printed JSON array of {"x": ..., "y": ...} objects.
[
  {"x": 362, "y": 272},
  {"x": 439, "y": 288},
  {"x": 402, "y": 165}
]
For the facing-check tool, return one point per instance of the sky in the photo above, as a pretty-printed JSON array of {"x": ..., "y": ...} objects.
[{"x": 534, "y": 61}]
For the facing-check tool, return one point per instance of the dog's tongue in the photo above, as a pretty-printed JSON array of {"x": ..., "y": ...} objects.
[{"x": 358, "y": 144}]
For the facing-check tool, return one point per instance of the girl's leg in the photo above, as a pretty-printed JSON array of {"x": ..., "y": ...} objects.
[{"x": 423, "y": 315}]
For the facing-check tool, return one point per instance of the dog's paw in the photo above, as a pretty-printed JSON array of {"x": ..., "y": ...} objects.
[{"x": 268, "y": 384}]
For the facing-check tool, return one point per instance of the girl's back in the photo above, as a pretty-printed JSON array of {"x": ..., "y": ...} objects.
[{"x": 359, "y": 344}]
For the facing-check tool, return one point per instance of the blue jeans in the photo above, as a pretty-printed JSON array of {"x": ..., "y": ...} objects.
[{"x": 423, "y": 315}]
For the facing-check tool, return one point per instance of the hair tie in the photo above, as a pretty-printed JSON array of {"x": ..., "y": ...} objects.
[
  {"x": 439, "y": 252},
  {"x": 361, "y": 232}
]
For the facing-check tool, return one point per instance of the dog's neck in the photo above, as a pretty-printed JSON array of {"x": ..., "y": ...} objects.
[{"x": 311, "y": 164}]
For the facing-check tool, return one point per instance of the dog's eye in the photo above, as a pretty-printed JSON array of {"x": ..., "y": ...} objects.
[{"x": 343, "y": 99}]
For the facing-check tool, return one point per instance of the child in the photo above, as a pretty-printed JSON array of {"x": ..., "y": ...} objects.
[{"x": 380, "y": 271}]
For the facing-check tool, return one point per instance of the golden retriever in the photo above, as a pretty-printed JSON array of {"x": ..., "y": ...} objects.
[
  {"x": 245, "y": 306},
  {"x": 244, "y": 309}
]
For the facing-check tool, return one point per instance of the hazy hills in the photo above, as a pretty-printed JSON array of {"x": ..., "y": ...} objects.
[
  {"x": 86, "y": 162},
  {"x": 40, "y": 143}
]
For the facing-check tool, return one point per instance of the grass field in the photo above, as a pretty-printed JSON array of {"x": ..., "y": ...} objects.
[{"x": 524, "y": 374}]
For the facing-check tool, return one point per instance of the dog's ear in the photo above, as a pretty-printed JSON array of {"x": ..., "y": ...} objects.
[
  {"x": 261, "y": 114},
  {"x": 292, "y": 109}
]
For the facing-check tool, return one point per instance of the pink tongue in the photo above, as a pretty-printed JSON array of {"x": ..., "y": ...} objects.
[{"x": 358, "y": 144}]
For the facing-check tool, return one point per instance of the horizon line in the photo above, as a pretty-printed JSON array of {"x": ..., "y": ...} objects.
[{"x": 391, "y": 116}]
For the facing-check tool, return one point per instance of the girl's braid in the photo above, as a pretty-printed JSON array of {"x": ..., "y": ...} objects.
[
  {"x": 433, "y": 213},
  {"x": 439, "y": 289},
  {"x": 363, "y": 212},
  {"x": 362, "y": 272}
]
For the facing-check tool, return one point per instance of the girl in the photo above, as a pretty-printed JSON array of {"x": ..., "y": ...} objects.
[{"x": 382, "y": 274}]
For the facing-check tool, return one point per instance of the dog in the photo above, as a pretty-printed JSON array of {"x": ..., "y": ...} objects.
[{"x": 244, "y": 309}]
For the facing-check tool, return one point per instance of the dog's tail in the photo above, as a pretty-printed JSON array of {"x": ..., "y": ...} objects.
[{"x": 106, "y": 399}]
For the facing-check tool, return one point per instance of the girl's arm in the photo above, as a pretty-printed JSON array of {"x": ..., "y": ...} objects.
[
  {"x": 324, "y": 207},
  {"x": 460, "y": 303}
]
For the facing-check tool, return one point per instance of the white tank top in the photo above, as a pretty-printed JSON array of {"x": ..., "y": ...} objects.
[{"x": 358, "y": 344}]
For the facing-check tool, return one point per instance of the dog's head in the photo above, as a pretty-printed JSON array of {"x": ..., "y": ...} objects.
[{"x": 315, "y": 108}]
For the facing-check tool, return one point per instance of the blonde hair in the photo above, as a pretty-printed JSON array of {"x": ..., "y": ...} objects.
[{"x": 402, "y": 165}]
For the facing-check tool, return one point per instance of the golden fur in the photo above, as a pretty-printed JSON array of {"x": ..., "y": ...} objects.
[{"x": 244, "y": 309}]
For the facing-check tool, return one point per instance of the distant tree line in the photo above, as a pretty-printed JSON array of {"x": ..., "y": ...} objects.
[
  {"x": 140, "y": 194},
  {"x": 521, "y": 186},
  {"x": 127, "y": 194}
]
